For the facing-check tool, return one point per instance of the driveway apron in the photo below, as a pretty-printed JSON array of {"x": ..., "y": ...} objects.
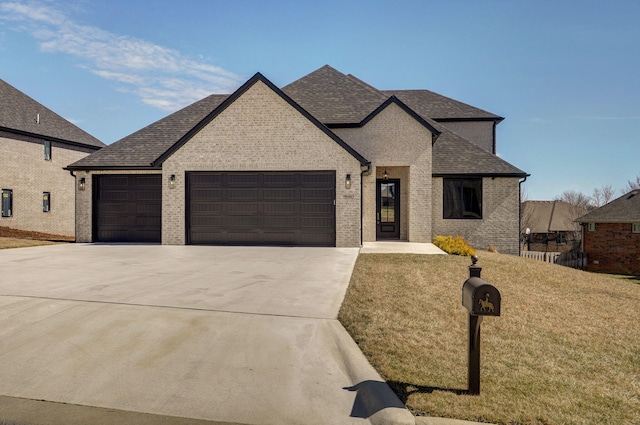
[{"x": 236, "y": 334}]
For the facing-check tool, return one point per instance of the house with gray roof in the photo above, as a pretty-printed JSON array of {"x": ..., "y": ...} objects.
[
  {"x": 611, "y": 236},
  {"x": 327, "y": 160},
  {"x": 38, "y": 195},
  {"x": 550, "y": 226}
]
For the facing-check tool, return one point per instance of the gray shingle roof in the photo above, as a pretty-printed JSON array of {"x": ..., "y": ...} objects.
[
  {"x": 22, "y": 114},
  {"x": 625, "y": 209},
  {"x": 438, "y": 107},
  {"x": 330, "y": 97},
  {"x": 453, "y": 155},
  {"x": 551, "y": 216},
  {"x": 333, "y": 97},
  {"x": 143, "y": 147}
]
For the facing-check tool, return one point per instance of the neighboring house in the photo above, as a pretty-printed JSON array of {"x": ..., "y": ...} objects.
[
  {"x": 611, "y": 236},
  {"x": 38, "y": 195},
  {"x": 327, "y": 160},
  {"x": 549, "y": 226}
]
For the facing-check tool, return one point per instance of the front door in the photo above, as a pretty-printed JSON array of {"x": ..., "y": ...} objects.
[{"x": 388, "y": 209}]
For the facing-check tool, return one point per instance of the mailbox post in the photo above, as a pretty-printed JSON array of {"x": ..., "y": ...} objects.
[{"x": 481, "y": 299}]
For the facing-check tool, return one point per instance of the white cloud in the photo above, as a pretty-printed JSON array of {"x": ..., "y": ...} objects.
[{"x": 160, "y": 76}]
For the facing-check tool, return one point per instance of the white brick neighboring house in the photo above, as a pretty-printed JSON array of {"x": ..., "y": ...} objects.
[
  {"x": 326, "y": 161},
  {"x": 38, "y": 195}
]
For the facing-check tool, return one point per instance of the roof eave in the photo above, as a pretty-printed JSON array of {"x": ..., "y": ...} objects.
[{"x": 49, "y": 138}]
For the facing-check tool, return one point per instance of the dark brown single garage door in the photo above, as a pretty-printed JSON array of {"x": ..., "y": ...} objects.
[
  {"x": 261, "y": 208},
  {"x": 127, "y": 208}
]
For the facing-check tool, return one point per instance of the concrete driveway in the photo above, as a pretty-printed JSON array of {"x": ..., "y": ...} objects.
[{"x": 233, "y": 334}]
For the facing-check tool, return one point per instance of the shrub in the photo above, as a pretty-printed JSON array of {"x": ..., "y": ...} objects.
[{"x": 455, "y": 246}]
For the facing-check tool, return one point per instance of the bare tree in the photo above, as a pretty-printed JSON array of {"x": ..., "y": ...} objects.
[
  {"x": 602, "y": 195},
  {"x": 632, "y": 185},
  {"x": 575, "y": 198}
]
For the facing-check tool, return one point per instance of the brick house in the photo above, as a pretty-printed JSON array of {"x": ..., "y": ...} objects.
[
  {"x": 550, "y": 226},
  {"x": 611, "y": 236},
  {"x": 327, "y": 160},
  {"x": 38, "y": 195}
]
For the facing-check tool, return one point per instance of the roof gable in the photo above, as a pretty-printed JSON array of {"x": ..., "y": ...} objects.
[
  {"x": 21, "y": 114},
  {"x": 151, "y": 146},
  {"x": 625, "y": 209},
  {"x": 394, "y": 100},
  {"x": 246, "y": 86},
  {"x": 333, "y": 97}
]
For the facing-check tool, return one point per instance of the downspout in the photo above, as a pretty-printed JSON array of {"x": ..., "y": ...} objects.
[
  {"x": 75, "y": 194},
  {"x": 363, "y": 170},
  {"x": 519, "y": 210}
]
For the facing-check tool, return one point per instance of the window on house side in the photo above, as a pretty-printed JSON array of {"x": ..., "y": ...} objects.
[
  {"x": 636, "y": 228},
  {"x": 47, "y": 150},
  {"x": 46, "y": 201},
  {"x": 462, "y": 198},
  {"x": 7, "y": 202},
  {"x": 592, "y": 227}
]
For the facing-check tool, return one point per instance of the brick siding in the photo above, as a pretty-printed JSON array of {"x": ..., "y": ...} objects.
[
  {"x": 261, "y": 132},
  {"x": 25, "y": 171},
  {"x": 612, "y": 248},
  {"x": 395, "y": 141},
  {"x": 499, "y": 225}
]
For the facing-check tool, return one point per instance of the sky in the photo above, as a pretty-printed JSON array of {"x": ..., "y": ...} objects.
[{"x": 563, "y": 74}]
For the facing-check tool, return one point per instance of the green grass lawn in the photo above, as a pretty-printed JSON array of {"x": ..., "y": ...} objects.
[{"x": 566, "y": 349}]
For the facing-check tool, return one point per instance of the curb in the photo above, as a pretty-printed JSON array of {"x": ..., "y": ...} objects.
[{"x": 375, "y": 401}]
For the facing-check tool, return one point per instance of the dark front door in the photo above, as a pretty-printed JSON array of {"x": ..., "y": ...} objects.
[{"x": 388, "y": 209}]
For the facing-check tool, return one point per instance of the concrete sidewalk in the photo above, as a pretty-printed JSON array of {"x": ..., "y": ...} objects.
[{"x": 224, "y": 334}]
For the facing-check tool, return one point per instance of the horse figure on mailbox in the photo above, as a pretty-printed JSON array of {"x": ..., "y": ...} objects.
[{"x": 486, "y": 305}]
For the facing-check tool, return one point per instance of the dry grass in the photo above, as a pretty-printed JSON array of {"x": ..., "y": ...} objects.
[
  {"x": 566, "y": 349},
  {"x": 21, "y": 243}
]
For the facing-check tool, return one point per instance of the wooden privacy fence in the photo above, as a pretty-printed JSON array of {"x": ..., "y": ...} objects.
[{"x": 576, "y": 260}]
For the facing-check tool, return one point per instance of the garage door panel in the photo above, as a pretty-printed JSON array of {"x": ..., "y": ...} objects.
[
  {"x": 241, "y": 208},
  {"x": 273, "y": 208},
  {"x": 238, "y": 180},
  {"x": 128, "y": 208},
  {"x": 316, "y": 194},
  {"x": 279, "y": 194}
]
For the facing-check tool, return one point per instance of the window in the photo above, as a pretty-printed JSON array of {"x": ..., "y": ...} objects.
[
  {"x": 462, "y": 198},
  {"x": 7, "y": 202},
  {"x": 636, "y": 227},
  {"x": 592, "y": 227},
  {"x": 47, "y": 150},
  {"x": 46, "y": 201}
]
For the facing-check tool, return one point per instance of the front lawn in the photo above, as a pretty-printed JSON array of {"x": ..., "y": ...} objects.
[{"x": 566, "y": 349}]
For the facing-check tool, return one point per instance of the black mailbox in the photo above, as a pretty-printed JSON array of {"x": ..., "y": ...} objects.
[{"x": 480, "y": 298}]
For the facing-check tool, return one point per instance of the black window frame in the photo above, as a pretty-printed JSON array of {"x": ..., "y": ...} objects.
[
  {"x": 46, "y": 202},
  {"x": 7, "y": 203},
  {"x": 462, "y": 198}
]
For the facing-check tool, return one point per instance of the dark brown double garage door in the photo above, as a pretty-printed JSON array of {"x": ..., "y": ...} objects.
[
  {"x": 261, "y": 208},
  {"x": 250, "y": 208}
]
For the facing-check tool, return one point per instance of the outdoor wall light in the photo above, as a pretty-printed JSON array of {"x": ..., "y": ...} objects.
[
  {"x": 347, "y": 181},
  {"x": 172, "y": 181},
  {"x": 82, "y": 184},
  {"x": 385, "y": 175}
]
